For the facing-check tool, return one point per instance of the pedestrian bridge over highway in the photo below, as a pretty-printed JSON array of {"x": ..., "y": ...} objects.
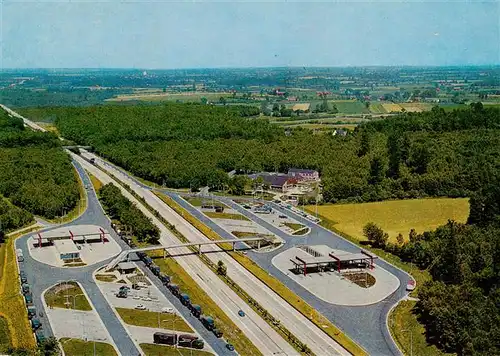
[{"x": 124, "y": 254}]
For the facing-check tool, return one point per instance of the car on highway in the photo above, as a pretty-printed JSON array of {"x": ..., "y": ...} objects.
[
  {"x": 140, "y": 307},
  {"x": 241, "y": 313},
  {"x": 230, "y": 347}
]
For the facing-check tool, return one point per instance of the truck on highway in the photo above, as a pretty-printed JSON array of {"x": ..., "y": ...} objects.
[
  {"x": 164, "y": 278},
  {"x": 31, "y": 311},
  {"x": 184, "y": 298},
  {"x": 92, "y": 160},
  {"x": 218, "y": 333},
  {"x": 196, "y": 310},
  {"x": 25, "y": 288},
  {"x": 40, "y": 336},
  {"x": 186, "y": 340},
  {"x": 174, "y": 288},
  {"x": 22, "y": 276},
  {"x": 165, "y": 338},
  {"x": 29, "y": 299},
  {"x": 155, "y": 269},
  {"x": 35, "y": 323},
  {"x": 208, "y": 322},
  {"x": 148, "y": 261}
]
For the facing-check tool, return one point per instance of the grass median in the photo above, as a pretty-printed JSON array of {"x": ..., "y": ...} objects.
[
  {"x": 277, "y": 286},
  {"x": 230, "y": 216},
  {"x": 154, "y": 319},
  {"x": 164, "y": 350},
  {"x": 67, "y": 295},
  {"x": 198, "y": 296},
  {"x": 78, "y": 347},
  {"x": 12, "y": 307}
]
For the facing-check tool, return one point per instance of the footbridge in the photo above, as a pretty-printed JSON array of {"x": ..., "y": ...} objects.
[{"x": 124, "y": 254}]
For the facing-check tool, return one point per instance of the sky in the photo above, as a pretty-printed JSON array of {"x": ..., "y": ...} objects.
[{"x": 205, "y": 34}]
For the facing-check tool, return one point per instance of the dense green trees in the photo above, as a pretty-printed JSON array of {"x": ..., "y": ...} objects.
[
  {"x": 120, "y": 208},
  {"x": 12, "y": 217},
  {"x": 412, "y": 155},
  {"x": 35, "y": 173}
]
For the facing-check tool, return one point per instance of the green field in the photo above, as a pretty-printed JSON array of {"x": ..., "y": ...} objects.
[
  {"x": 164, "y": 350},
  {"x": 77, "y": 347},
  {"x": 377, "y": 108},
  {"x": 150, "y": 319},
  {"x": 350, "y": 107},
  {"x": 394, "y": 217},
  {"x": 67, "y": 295}
]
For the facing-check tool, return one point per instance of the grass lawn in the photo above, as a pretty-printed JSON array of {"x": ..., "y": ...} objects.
[
  {"x": 59, "y": 295},
  {"x": 150, "y": 319},
  {"x": 77, "y": 347},
  {"x": 397, "y": 216},
  {"x": 215, "y": 215},
  {"x": 402, "y": 319},
  {"x": 105, "y": 277},
  {"x": 165, "y": 350},
  {"x": 293, "y": 226},
  {"x": 5, "y": 342},
  {"x": 198, "y": 296},
  {"x": 12, "y": 307},
  {"x": 95, "y": 182}
]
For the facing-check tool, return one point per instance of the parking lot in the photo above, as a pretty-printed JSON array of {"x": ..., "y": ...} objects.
[{"x": 147, "y": 298}]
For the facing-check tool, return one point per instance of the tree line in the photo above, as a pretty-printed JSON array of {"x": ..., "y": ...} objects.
[
  {"x": 120, "y": 208},
  {"x": 412, "y": 155},
  {"x": 35, "y": 173}
]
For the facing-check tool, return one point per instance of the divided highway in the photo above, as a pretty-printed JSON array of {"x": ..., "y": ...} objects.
[
  {"x": 265, "y": 338},
  {"x": 307, "y": 332}
]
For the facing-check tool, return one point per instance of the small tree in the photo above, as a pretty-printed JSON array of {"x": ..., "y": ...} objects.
[
  {"x": 375, "y": 234},
  {"x": 412, "y": 235},
  {"x": 400, "y": 239},
  {"x": 221, "y": 268}
]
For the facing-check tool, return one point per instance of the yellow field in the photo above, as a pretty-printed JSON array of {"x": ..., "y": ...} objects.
[
  {"x": 391, "y": 107},
  {"x": 394, "y": 217}
]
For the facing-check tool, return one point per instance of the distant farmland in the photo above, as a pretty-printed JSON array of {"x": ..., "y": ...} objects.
[
  {"x": 183, "y": 97},
  {"x": 350, "y": 107}
]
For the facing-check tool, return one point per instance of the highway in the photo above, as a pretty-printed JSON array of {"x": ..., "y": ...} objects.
[
  {"x": 265, "y": 338},
  {"x": 307, "y": 332}
]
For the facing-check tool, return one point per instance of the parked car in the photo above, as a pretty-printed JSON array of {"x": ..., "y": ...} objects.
[
  {"x": 167, "y": 310},
  {"x": 140, "y": 307},
  {"x": 35, "y": 323}
]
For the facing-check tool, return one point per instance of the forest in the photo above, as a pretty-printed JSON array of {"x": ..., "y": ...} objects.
[
  {"x": 411, "y": 155},
  {"x": 35, "y": 173},
  {"x": 460, "y": 307},
  {"x": 131, "y": 218}
]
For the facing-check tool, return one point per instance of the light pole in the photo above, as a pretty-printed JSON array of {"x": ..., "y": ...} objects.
[{"x": 411, "y": 340}]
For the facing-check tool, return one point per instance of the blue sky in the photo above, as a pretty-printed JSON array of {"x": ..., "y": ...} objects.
[{"x": 162, "y": 34}]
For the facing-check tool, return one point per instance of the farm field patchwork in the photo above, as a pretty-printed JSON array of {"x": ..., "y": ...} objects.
[
  {"x": 394, "y": 217},
  {"x": 377, "y": 108}
]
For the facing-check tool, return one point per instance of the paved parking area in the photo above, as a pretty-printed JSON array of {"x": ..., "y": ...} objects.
[
  {"x": 77, "y": 324},
  {"x": 332, "y": 287},
  {"x": 275, "y": 218},
  {"x": 153, "y": 299},
  {"x": 150, "y": 297}
]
